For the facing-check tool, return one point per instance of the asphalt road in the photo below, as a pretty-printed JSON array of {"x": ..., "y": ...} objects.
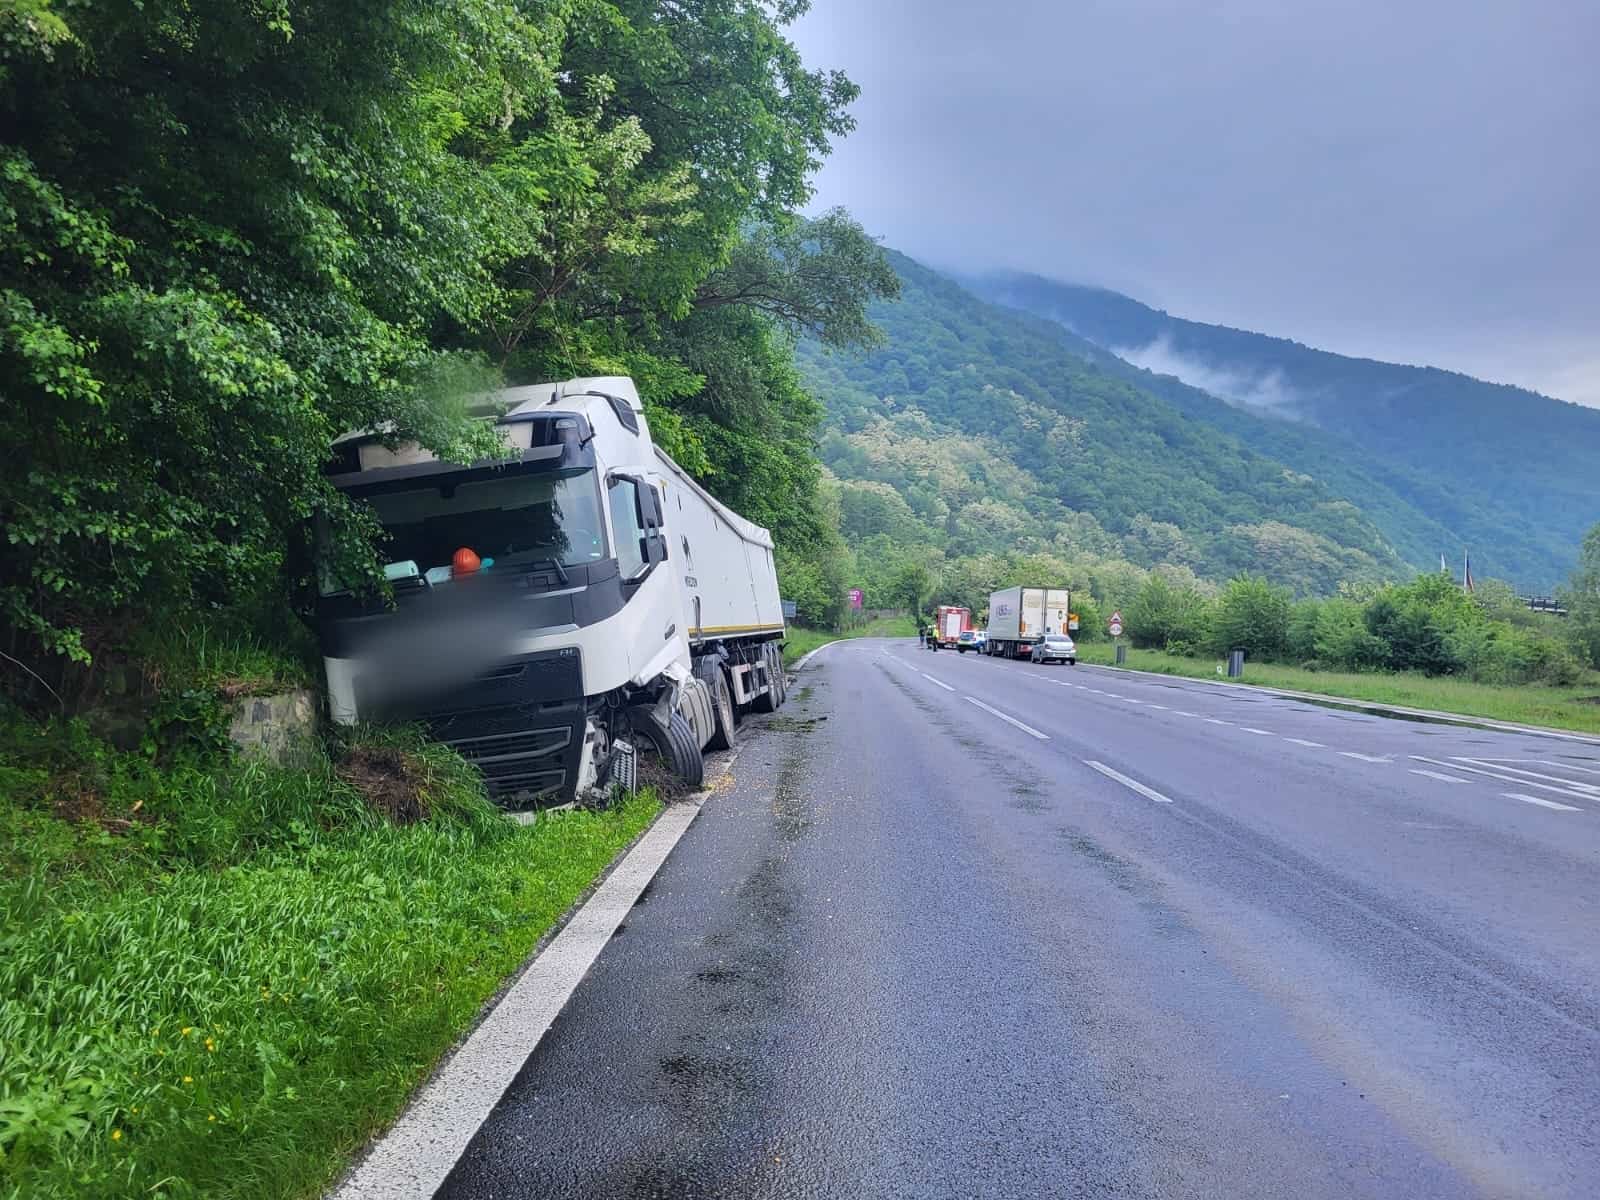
[{"x": 964, "y": 927}]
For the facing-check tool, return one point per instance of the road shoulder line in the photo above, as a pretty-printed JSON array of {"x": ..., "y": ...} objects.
[
  {"x": 1466, "y": 720},
  {"x": 413, "y": 1157}
]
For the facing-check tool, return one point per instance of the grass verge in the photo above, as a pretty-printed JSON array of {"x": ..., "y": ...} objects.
[
  {"x": 1575, "y": 708},
  {"x": 798, "y": 642},
  {"x": 221, "y": 982}
]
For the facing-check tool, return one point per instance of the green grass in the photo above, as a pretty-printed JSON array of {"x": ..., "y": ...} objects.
[
  {"x": 802, "y": 641},
  {"x": 221, "y": 982},
  {"x": 1576, "y": 708}
]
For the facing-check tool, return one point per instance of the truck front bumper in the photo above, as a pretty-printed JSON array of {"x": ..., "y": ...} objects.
[{"x": 521, "y": 725}]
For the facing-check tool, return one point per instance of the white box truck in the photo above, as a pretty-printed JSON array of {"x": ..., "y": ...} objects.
[
  {"x": 557, "y": 608},
  {"x": 1020, "y": 616}
]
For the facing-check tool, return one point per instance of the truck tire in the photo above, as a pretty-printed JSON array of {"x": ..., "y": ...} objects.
[
  {"x": 769, "y": 700},
  {"x": 709, "y": 671},
  {"x": 779, "y": 672},
  {"x": 676, "y": 745}
]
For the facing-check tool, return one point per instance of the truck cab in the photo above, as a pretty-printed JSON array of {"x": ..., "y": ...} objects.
[{"x": 541, "y": 620}]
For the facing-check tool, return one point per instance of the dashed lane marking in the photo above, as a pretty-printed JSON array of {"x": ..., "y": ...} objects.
[
  {"x": 1439, "y": 775},
  {"x": 1181, "y": 713},
  {"x": 1306, "y": 742},
  {"x": 1371, "y": 758},
  {"x": 1009, "y": 720},
  {"x": 1162, "y": 707},
  {"x": 1540, "y": 801},
  {"x": 1215, "y": 721},
  {"x": 1147, "y": 792},
  {"x": 1262, "y": 732},
  {"x": 938, "y": 682}
]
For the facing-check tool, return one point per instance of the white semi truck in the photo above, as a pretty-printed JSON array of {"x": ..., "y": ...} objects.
[
  {"x": 556, "y": 609},
  {"x": 1020, "y": 616}
]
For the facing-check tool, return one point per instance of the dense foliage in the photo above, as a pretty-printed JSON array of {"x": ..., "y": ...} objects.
[
  {"x": 230, "y": 232},
  {"x": 1424, "y": 452},
  {"x": 1429, "y": 625}
]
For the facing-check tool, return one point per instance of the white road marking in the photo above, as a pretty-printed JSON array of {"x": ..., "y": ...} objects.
[
  {"x": 1129, "y": 700},
  {"x": 1027, "y": 729},
  {"x": 931, "y": 679},
  {"x": 1262, "y": 732},
  {"x": 1541, "y": 802},
  {"x": 1306, "y": 742},
  {"x": 1503, "y": 778},
  {"x": 1576, "y": 785},
  {"x": 1162, "y": 707},
  {"x": 1372, "y": 758},
  {"x": 422, "y": 1147},
  {"x": 1440, "y": 775},
  {"x": 1148, "y": 793},
  {"x": 1181, "y": 713},
  {"x": 1215, "y": 721}
]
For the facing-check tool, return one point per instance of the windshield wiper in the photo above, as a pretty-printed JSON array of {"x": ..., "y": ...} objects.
[{"x": 561, "y": 572}]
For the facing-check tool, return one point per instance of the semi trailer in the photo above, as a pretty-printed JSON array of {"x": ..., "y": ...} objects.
[
  {"x": 558, "y": 608},
  {"x": 1020, "y": 616}
]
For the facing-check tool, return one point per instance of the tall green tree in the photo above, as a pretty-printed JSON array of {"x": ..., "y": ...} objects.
[{"x": 1582, "y": 598}]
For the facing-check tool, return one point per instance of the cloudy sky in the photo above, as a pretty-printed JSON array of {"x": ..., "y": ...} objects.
[{"x": 1414, "y": 180}]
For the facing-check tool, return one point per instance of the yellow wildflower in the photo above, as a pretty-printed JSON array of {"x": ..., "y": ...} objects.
[
  {"x": 186, "y": 1030},
  {"x": 211, "y": 1116},
  {"x": 210, "y": 1045},
  {"x": 116, "y": 1135},
  {"x": 188, "y": 1078}
]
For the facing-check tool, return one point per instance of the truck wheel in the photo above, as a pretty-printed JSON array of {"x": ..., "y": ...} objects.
[
  {"x": 675, "y": 747},
  {"x": 779, "y": 673},
  {"x": 769, "y": 700},
  {"x": 710, "y": 672}
]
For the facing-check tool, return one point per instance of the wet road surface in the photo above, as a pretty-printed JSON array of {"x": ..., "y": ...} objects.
[{"x": 964, "y": 927}]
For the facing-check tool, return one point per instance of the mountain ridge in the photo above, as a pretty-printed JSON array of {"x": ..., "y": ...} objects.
[
  {"x": 986, "y": 427},
  {"x": 1477, "y": 457}
]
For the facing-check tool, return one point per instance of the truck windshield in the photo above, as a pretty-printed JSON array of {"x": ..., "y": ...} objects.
[{"x": 512, "y": 519}]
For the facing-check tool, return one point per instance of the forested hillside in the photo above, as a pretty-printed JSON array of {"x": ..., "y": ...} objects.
[
  {"x": 978, "y": 430},
  {"x": 229, "y": 233},
  {"x": 1500, "y": 469}
]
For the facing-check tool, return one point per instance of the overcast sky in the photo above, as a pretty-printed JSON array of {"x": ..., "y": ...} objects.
[{"x": 1414, "y": 180}]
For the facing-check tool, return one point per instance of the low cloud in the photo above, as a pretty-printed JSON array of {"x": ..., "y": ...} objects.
[{"x": 1265, "y": 390}]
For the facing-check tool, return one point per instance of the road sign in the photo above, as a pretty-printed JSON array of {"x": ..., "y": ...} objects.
[
  {"x": 1072, "y": 622},
  {"x": 790, "y": 607},
  {"x": 856, "y": 598},
  {"x": 1116, "y": 624}
]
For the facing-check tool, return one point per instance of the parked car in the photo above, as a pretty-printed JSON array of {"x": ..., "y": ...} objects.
[
  {"x": 1055, "y": 647},
  {"x": 970, "y": 639}
]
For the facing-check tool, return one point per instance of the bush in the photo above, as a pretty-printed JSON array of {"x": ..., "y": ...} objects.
[
  {"x": 1251, "y": 615},
  {"x": 1162, "y": 611},
  {"x": 1422, "y": 623},
  {"x": 1342, "y": 638}
]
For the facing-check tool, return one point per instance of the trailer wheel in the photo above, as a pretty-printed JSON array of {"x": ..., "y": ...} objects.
[
  {"x": 710, "y": 672},
  {"x": 769, "y": 700},
  {"x": 674, "y": 747},
  {"x": 779, "y": 673}
]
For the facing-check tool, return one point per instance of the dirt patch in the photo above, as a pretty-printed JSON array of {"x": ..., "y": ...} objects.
[
  {"x": 389, "y": 780},
  {"x": 74, "y": 799},
  {"x": 655, "y": 773}
]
